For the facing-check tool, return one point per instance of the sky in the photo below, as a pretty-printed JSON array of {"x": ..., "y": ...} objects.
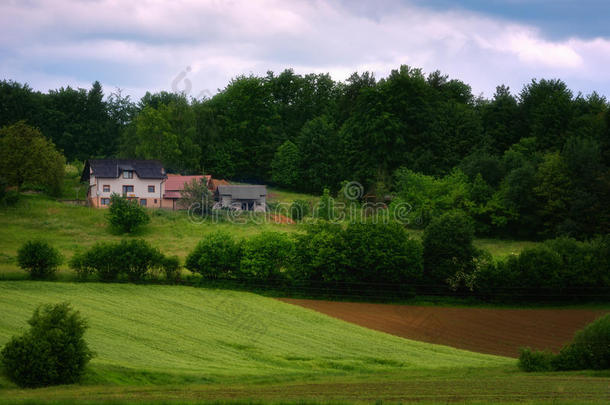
[{"x": 198, "y": 46}]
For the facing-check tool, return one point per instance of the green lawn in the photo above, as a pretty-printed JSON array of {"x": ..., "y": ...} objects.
[
  {"x": 158, "y": 343},
  {"x": 70, "y": 228},
  {"x": 193, "y": 334}
]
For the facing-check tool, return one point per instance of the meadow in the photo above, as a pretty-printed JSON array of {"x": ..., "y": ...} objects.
[
  {"x": 71, "y": 227},
  {"x": 184, "y": 343}
]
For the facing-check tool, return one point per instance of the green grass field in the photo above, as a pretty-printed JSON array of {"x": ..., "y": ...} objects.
[
  {"x": 158, "y": 343},
  {"x": 70, "y": 228}
]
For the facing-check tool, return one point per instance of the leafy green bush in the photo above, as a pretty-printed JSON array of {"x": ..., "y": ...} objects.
[
  {"x": 53, "y": 351},
  {"x": 132, "y": 258},
  {"x": 267, "y": 256},
  {"x": 590, "y": 348},
  {"x": 216, "y": 256},
  {"x": 381, "y": 253},
  {"x": 138, "y": 258},
  {"x": 535, "y": 360},
  {"x": 11, "y": 197},
  {"x": 126, "y": 215},
  {"x": 448, "y": 247},
  {"x": 299, "y": 209},
  {"x": 171, "y": 268},
  {"x": 39, "y": 258}
]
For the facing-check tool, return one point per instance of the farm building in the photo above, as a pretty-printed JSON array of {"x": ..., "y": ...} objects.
[{"x": 241, "y": 197}]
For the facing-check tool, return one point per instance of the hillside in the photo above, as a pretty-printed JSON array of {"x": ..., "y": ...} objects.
[
  {"x": 209, "y": 335},
  {"x": 70, "y": 228}
]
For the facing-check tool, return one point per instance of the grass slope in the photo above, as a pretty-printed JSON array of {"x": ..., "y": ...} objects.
[
  {"x": 214, "y": 335},
  {"x": 70, "y": 228}
]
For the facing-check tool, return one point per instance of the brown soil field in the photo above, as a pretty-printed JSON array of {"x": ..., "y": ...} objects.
[{"x": 485, "y": 330}]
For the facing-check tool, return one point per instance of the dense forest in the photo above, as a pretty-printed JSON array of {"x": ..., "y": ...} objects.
[{"x": 528, "y": 164}]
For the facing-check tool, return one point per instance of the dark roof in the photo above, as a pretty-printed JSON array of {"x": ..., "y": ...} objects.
[
  {"x": 112, "y": 168},
  {"x": 245, "y": 192}
]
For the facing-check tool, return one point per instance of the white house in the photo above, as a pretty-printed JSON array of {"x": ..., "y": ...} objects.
[{"x": 137, "y": 179}]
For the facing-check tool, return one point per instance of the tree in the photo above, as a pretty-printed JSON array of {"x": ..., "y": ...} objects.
[
  {"x": 39, "y": 258},
  {"x": 28, "y": 157},
  {"x": 326, "y": 206},
  {"x": 53, "y": 351},
  {"x": 196, "y": 197},
  {"x": 126, "y": 215},
  {"x": 285, "y": 165},
  {"x": 448, "y": 247},
  {"x": 216, "y": 256}
]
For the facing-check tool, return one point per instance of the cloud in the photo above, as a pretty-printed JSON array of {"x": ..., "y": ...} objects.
[{"x": 146, "y": 44}]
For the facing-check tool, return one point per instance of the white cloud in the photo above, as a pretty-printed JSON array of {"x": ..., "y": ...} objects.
[{"x": 146, "y": 44}]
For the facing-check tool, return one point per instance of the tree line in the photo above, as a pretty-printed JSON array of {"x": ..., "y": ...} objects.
[{"x": 532, "y": 163}]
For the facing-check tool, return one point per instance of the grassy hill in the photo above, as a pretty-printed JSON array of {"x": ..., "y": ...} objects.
[
  {"x": 70, "y": 228},
  {"x": 175, "y": 333},
  {"x": 164, "y": 343}
]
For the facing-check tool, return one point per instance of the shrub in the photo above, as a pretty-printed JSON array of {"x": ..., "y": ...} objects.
[
  {"x": 171, "y": 268},
  {"x": 320, "y": 254},
  {"x": 138, "y": 258},
  {"x": 101, "y": 259},
  {"x": 126, "y": 215},
  {"x": 39, "y": 258},
  {"x": 535, "y": 360},
  {"x": 216, "y": 256},
  {"x": 133, "y": 258},
  {"x": 381, "y": 253},
  {"x": 299, "y": 209},
  {"x": 53, "y": 351},
  {"x": 590, "y": 348},
  {"x": 267, "y": 256},
  {"x": 448, "y": 247}
]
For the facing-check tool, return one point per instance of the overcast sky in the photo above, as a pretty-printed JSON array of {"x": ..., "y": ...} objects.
[{"x": 148, "y": 45}]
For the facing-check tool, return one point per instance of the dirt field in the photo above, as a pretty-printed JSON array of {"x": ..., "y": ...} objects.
[{"x": 485, "y": 330}]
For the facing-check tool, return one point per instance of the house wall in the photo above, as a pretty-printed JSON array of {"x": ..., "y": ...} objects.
[{"x": 140, "y": 189}]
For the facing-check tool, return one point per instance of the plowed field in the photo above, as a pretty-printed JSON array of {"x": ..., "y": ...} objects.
[{"x": 485, "y": 330}]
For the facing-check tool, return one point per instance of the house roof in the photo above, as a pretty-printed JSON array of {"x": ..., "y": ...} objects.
[
  {"x": 176, "y": 182},
  {"x": 242, "y": 192},
  {"x": 216, "y": 182},
  {"x": 112, "y": 168}
]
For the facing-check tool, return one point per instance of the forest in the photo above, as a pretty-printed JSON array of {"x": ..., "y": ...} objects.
[{"x": 528, "y": 164}]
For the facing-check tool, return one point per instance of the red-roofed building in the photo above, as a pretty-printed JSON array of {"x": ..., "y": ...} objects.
[{"x": 175, "y": 183}]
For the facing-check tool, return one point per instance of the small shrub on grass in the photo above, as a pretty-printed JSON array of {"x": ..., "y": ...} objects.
[
  {"x": 53, "y": 351},
  {"x": 590, "y": 348},
  {"x": 39, "y": 258},
  {"x": 133, "y": 258},
  {"x": 267, "y": 256},
  {"x": 171, "y": 268},
  {"x": 535, "y": 360},
  {"x": 126, "y": 215},
  {"x": 216, "y": 256}
]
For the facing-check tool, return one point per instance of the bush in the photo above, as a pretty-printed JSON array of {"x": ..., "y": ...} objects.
[
  {"x": 535, "y": 360},
  {"x": 590, "y": 348},
  {"x": 126, "y": 215},
  {"x": 53, "y": 351},
  {"x": 133, "y": 258},
  {"x": 448, "y": 247},
  {"x": 216, "y": 256},
  {"x": 171, "y": 268},
  {"x": 299, "y": 209},
  {"x": 39, "y": 258},
  {"x": 381, "y": 253},
  {"x": 267, "y": 256}
]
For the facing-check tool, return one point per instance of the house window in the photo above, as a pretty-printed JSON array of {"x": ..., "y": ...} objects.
[
  {"x": 155, "y": 200},
  {"x": 143, "y": 202},
  {"x": 151, "y": 189},
  {"x": 127, "y": 189},
  {"x": 106, "y": 188},
  {"x": 128, "y": 174},
  {"x": 105, "y": 201}
]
